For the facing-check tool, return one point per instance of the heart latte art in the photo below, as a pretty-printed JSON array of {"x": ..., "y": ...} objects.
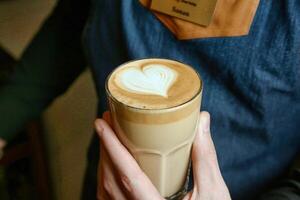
[{"x": 152, "y": 79}]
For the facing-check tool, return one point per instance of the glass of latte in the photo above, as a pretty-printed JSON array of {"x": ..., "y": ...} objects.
[{"x": 154, "y": 104}]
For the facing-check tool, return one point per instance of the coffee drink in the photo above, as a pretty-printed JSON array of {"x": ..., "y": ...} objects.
[{"x": 155, "y": 105}]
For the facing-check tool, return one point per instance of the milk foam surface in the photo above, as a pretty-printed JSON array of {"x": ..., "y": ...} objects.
[
  {"x": 155, "y": 79},
  {"x": 154, "y": 83}
]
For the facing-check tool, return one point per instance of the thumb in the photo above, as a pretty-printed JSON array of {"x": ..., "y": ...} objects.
[
  {"x": 205, "y": 164},
  {"x": 203, "y": 147}
]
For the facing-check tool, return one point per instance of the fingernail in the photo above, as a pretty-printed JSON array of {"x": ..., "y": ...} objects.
[
  {"x": 99, "y": 128},
  {"x": 206, "y": 124}
]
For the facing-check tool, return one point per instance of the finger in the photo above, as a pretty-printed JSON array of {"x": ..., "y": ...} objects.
[
  {"x": 132, "y": 177},
  {"x": 110, "y": 182},
  {"x": 107, "y": 184},
  {"x": 107, "y": 118},
  {"x": 119, "y": 155},
  {"x": 101, "y": 192},
  {"x": 205, "y": 164},
  {"x": 203, "y": 147}
]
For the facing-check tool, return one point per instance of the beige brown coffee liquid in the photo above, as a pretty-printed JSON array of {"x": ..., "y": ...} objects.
[{"x": 155, "y": 106}]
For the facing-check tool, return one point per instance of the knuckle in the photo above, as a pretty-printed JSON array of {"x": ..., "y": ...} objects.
[
  {"x": 130, "y": 182},
  {"x": 127, "y": 183},
  {"x": 103, "y": 190},
  {"x": 211, "y": 156},
  {"x": 107, "y": 186},
  {"x": 209, "y": 153}
]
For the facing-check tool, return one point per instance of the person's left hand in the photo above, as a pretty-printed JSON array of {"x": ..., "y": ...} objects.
[{"x": 121, "y": 178}]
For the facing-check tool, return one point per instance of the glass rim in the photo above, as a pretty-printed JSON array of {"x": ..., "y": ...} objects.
[{"x": 109, "y": 95}]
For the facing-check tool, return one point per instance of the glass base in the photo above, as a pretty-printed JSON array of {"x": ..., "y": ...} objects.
[{"x": 180, "y": 195}]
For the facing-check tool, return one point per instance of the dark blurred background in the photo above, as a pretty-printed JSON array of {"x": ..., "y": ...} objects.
[{"x": 48, "y": 157}]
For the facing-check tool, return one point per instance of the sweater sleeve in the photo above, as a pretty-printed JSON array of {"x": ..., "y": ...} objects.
[{"x": 49, "y": 65}]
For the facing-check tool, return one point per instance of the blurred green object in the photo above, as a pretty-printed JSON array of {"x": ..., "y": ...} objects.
[
  {"x": 6, "y": 64},
  {"x": 16, "y": 181}
]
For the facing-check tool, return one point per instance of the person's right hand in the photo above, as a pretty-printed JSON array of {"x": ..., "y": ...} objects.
[
  {"x": 208, "y": 181},
  {"x": 123, "y": 179}
]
